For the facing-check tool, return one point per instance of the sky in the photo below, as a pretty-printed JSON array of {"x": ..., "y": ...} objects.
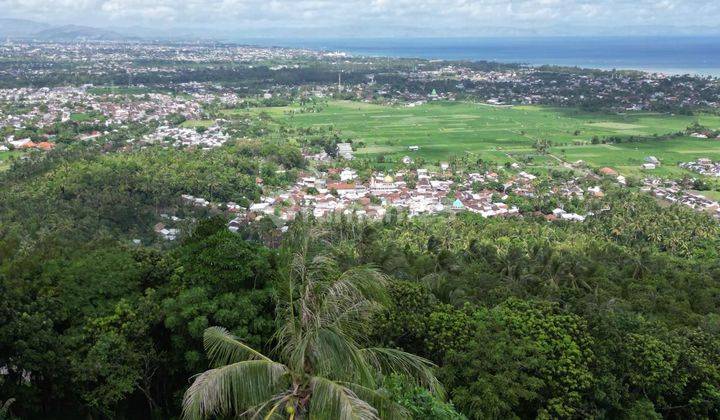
[{"x": 369, "y": 18}]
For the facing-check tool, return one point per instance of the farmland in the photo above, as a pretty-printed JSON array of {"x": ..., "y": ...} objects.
[
  {"x": 446, "y": 129},
  {"x": 197, "y": 123}
]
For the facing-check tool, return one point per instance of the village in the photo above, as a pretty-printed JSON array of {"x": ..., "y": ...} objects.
[
  {"x": 703, "y": 166},
  {"x": 672, "y": 192},
  {"x": 407, "y": 192},
  {"x": 164, "y": 104}
]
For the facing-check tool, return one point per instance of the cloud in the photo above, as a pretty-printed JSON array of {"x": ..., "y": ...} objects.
[{"x": 371, "y": 17}]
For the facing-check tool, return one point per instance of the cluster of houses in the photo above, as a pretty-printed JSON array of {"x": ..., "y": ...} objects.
[
  {"x": 705, "y": 135},
  {"x": 136, "y": 58},
  {"x": 413, "y": 193},
  {"x": 528, "y": 85},
  {"x": 672, "y": 192},
  {"x": 211, "y": 137},
  {"x": 45, "y": 107},
  {"x": 651, "y": 162},
  {"x": 25, "y": 144},
  {"x": 703, "y": 166}
]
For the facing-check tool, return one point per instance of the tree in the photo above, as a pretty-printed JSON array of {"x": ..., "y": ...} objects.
[
  {"x": 524, "y": 359},
  {"x": 420, "y": 403},
  {"x": 322, "y": 369},
  {"x": 542, "y": 146},
  {"x": 5, "y": 408}
]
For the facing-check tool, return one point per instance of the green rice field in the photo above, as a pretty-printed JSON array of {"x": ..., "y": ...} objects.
[
  {"x": 446, "y": 129},
  {"x": 197, "y": 123}
]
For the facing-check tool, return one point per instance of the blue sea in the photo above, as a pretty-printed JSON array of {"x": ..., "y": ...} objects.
[{"x": 673, "y": 55}]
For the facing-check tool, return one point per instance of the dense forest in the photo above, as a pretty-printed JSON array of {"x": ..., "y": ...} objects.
[{"x": 430, "y": 317}]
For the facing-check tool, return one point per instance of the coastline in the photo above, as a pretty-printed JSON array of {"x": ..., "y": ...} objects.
[{"x": 697, "y": 56}]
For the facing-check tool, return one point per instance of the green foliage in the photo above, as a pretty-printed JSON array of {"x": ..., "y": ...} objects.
[
  {"x": 218, "y": 278},
  {"x": 323, "y": 370},
  {"x": 419, "y": 403},
  {"x": 520, "y": 359},
  {"x": 616, "y": 317}
]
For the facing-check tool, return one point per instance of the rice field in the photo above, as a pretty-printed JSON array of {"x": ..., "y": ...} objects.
[{"x": 445, "y": 129}]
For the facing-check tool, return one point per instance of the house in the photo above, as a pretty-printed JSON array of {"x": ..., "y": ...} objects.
[
  {"x": 407, "y": 160},
  {"x": 345, "y": 151},
  {"x": 413, "y": 148},
  {"x": 347, "y": 174},
  {"x": 648, "y": 166},
  {"x": 342, "y": 188},
  {"x": 259, "y": 207},
  {"x": 44, "y": 145},
  {"x": 596, "y": 191},
  {"x": 608, "y": 171},
  {"x": 22, "y": 143},
  {"x": 527, "y": 176},
  {"x": 572, "y": 216},
  {"x": 653, "y": 160}
]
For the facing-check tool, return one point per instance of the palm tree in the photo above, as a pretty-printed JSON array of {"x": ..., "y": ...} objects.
[{"x": 321, "y": 367}]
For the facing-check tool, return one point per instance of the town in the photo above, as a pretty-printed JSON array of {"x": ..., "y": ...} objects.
[
  {"x": 122, "y": 105},
  {"x": 359, "y": 210}
]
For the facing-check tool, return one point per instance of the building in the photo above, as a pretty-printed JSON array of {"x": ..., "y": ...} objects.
[{"x": 345, "y": 151}]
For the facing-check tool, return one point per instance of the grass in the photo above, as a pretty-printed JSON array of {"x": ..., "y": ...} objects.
[
  {"x": 197, "y": 123},
  {"x": 80, "y": 117},
  {"x": 626, "y": 158},
  {"x": 712, "y": 195},
  {"x": 445, "y": 129},
  {"x": 4, "y": 158}
]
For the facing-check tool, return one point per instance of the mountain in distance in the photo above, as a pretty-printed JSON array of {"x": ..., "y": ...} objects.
[
  {"x": 76, "y": 32},
  {"x": 24, "y": 29},
  {"x": 28, "y": 29},
  {"x": 20, "y": 28}
]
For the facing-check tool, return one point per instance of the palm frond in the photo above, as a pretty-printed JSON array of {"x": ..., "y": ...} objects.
[
  {"x": 349, "y": 301},
  {"x": 386, "y": 407},
  {"x": 333, "y": 401},
  {"x": 390, "y": 361},
  {"x": 224, "y": 348},
  {"x": 364, "y": 281},
  {"x": 335, "y": 355},
  {"x": 235, "y": 388}
]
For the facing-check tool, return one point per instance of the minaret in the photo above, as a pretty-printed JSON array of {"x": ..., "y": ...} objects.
[{"x": 340, "y": 81}]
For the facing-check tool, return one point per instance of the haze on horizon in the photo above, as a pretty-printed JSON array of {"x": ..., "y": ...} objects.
[{"x": 377, "y": 18}]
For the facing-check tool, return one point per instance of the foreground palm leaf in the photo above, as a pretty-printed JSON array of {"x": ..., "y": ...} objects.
[{"x": 325, "y": 370}]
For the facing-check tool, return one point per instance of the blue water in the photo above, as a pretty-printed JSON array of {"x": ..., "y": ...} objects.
[{"x": 676, "y": 55}]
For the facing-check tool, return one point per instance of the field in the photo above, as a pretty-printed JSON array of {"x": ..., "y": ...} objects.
[
  {"x": 445, "y": 129},
  {"x": 80, "y": 117},
  {"x": 197, "y": 123}
]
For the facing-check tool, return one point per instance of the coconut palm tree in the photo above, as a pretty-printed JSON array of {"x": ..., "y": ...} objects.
[{"x": 321, "y": 367}]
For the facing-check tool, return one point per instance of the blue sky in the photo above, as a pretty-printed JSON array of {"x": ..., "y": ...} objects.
[{"x": 382, "y": 17}]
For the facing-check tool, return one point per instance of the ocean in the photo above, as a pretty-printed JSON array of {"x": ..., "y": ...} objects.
[{"x": 672, "y": 55}]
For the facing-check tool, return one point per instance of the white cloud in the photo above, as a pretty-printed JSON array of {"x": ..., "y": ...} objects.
[{"x": 447, "y": 17}]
